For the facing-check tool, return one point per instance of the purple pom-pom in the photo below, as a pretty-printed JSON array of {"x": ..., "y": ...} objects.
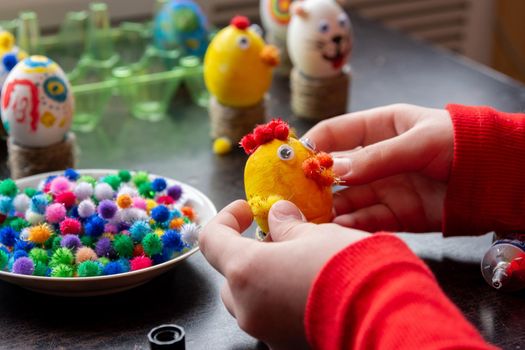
[
  {"x": 103, "y": 247},
  {"x": 24, "y": 266},
  {"x": 70, "y": 241},
  {"x": 175, "y": 192},
  {"x": 107, "y": 209}
]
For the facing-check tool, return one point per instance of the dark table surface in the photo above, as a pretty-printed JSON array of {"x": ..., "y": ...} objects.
[{"x": 387, "y": 68}]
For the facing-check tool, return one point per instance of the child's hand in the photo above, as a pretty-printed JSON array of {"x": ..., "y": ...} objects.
[
  {"x": 396, "y": 160},
  {"x": 268, "y": 282}
]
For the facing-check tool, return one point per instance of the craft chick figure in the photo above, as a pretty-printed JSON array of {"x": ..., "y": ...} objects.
[
  {"x": 319, "y": 44},
  {"x": 37, "y": 109},
  {"x": 282, "y": 167},
  {"x": 238, "y": 73},
  {"x": 275, "y": 17}
]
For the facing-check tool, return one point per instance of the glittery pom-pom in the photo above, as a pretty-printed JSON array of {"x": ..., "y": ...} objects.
[
  {"x": 173, "y": 240},
  {"x": 62, "y": 256},
  {"x": 160, "y": 213},
  {"x": 190, "y": 234},
  {"x": 41, "y": 269},
  {"x": 40, "y": 233},
  {"x": 62, "y": 270},
  {"x": 94, "y": 226},
  {"x": 39, "y": 254},
  {"x": 123, "y": 245},
  {"x": 39, "y": 203},
  {"x": 103, "y": 247},
  {"x": 8, "y": 236},
  {"x": 112, "y": 268}
]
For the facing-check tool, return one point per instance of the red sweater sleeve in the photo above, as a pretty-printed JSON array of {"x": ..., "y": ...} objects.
[
  {"x": 376, "y": 294},
  {"x": 486, "y": 190}
]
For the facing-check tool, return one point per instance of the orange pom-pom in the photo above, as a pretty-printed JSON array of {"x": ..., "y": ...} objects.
[
  {"x": 311, "y": 167},
  {"x": 124, "y": 201},
  {"x": 40, "y": 233},
  {"x": 325, "y": 159},
  {"x": 188, "y": 212},
  {"x": 176, "y": 224}
]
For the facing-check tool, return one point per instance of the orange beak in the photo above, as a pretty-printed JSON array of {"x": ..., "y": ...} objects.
[
  {"x": 270, "y": 55},
  {"x": 319, "y": 169}
]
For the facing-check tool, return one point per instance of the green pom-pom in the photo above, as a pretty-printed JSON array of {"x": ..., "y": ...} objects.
[
  {"x": 30, "y": 191},
  {"x": 89, "y": 179},
  {"x": 123, "y": 245},
  {"x": 145, "y": 190},
  {"x": 4, "y": 258},
  {"x": 140, "y": 177},
  {"x": 18, "y": 224},
  {"x": 89, "y": 268},
  {"x": 113, "y": 180},
  {"x": 186, "y": 220},
  {"x": 103, "y": 260},
  {"x": 62, "y": 270},
  {"x": 39, "y": 255},
  {"x": 124, "y": 175},
  {"x": 55, "y": 245},
  {"x": 152, "y": 244},
  {"x": 49, "y": 243},
  {"x": 40, "y": 269},
  {"x": 8, "y": 188},
  {"x": 62, "y": 256},
  {"x": 87, "y": 241}
]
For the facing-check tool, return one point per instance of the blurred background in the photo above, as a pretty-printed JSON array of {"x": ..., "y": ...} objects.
[{"x": 491, "y": 32}]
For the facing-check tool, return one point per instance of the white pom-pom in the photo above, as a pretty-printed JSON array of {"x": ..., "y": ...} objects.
[
  {"x": 190, "y": 233},
  {"x": 83, "y": 190},
  {"x": 24, "y": 235},
  {"x": 34, "y": 218},
  {"x": 21, "y": 203},
  {"x": 103, "y": 191},
  {"x": 125, "y": 189},
  {"x": 130, "y": 215},
  {"x": 86, "y": 208}
]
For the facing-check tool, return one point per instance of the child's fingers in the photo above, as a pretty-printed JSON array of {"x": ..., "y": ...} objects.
[
  {"x": 220, "y": 239},
  {"x": 354, "y": 198},
  {"x": 375, "y": 218},
  {"x": 286, "y": 222},
  {"x": 227, "y": 299}
]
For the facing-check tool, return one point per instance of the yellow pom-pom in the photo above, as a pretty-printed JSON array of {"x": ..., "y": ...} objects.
[
  {"x": 109, "y": 235},
  {"x": 150, "y": 204},
  {"x": 176, "y": 223},
  {"x": 7, "y": 41},
  {"x": 222, "y": 145},
  {"x": 159, "y": 232},
  {"x": 124, "y": 201},
  {"x": 40, "y": 233}
]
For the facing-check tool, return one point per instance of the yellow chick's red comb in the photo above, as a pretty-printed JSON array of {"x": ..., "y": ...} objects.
[{"x": 276, "y": 129}]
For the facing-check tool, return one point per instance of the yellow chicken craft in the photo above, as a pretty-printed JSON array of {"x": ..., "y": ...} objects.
[
  {"x": 282, "y": 167},
  {"x": 238, "y": 65}
]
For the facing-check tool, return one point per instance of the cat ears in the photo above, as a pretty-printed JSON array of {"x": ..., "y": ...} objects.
[{"x": 297, "y": 7}]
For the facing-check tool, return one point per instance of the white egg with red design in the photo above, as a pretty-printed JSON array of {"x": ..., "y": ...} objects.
[{"x": 37, "y": 103}]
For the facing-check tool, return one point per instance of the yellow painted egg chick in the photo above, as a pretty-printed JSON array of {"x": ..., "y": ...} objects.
[
  {"x": 238, "y": 65},
  {"x": 283, "y": 167}
]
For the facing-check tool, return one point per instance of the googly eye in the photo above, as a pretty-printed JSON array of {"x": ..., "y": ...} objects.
[
  {"x": 342, "y": 20},
  {"x": 285, "y": 152},
  {"x": 324, "y": 27},
  {"x": 243, "y": 42},
  {"x": 309, "y": 144}
]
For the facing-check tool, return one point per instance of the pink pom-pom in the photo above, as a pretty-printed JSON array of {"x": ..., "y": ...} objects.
[
  {"x": 139, "y": 203},
  {"x": 140, "y": 262},
  {"x": 166, "y": 200},
  {"x": 111, "y": 228},
  {"x": 59, "y": 185},
  {"x": 55, "y": 213},
  {"x": 70, "y": 226},
  {"x": 66, "y": 198}
]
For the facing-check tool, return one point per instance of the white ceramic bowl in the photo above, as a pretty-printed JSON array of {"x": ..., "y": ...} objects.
[{"x": 89, "y": 286}]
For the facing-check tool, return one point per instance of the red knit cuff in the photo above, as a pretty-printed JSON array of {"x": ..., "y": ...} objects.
[
  {"x": 485, "y": 190},
  {"x": 343, "y": 278}
]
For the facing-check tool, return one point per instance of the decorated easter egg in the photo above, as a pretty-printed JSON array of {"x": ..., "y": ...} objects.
[
  {"x": 319, "y": 38},
  {"x": 37, "y": 103},
  {"x": 238, "y": 65},
  {"x": 181, "y": 24},
  {"x": 275, "y": 16}
]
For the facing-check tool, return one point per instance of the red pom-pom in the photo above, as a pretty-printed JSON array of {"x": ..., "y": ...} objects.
[
  {"x": 281, "y": 132},
  {"x": 66, "y": 198},
  {"x": 2, "y": 218},
  {"x": 248, "y": 143},
  {"x": 140, "y": 262},
  {"x": 325, "y": 159},
  {"x": 138, "y": 250},
  {"x": 263, "y": 134},
  {"x": 311, "y": 168},
  {"x": 166, "y": 200},
  {"x": 47, "y": 187},
  {"x": 240, "y": 22},
  {"x": 188, "y": 212},
  {"x": 70, "y": 226}
]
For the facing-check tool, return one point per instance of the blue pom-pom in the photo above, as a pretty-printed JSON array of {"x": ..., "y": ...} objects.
[
  {"x": 175, "y": 213},
  {"x": 39, "y": 203},
  {"x": 162, "y": 257},
  {"x": 9, "y": 61},
  {"x": 6, "y": 204},
  {"x": 94, "y": 226},
  {"x": 19, "y": 254},
  {"x": 4, "y": 248},
  {"x": 172, "y": 239},
  {"x": 159, "y": 184},
  {"x": 138, "y": 230},
  {"x": 50, "y": 178},
  {"x": 125, "y": 264},
  {"x": 23, "y": 245},
  {"x": 112, "y": 268},
  {"x": 71, "y": 174},
  {"x": 8, "y": 236},
  {"x": 73, "y": 212},
  {"x": 160, "y": 213}
]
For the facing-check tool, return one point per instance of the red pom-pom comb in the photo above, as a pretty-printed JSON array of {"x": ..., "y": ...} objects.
[
  {"x": 275, "y": 129},
  {"x": 240, "y": 22}
]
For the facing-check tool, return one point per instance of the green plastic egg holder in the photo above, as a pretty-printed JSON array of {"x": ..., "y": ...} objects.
[{"x": 116, "y": 61}]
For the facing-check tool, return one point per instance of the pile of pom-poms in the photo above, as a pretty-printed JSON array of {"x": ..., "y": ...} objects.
[{"x": 74, "y": 225}]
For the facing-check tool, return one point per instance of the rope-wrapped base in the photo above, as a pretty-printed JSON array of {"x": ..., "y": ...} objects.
[
  {"x": 317, "y": 99},
  {"x": 234, "y": 122},
  {"x": 285, "y": 65},
  {"x": 26, "y": 161}
]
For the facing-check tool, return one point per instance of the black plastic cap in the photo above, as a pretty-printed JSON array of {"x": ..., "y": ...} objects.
[{"x": 167, "y": 336}]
